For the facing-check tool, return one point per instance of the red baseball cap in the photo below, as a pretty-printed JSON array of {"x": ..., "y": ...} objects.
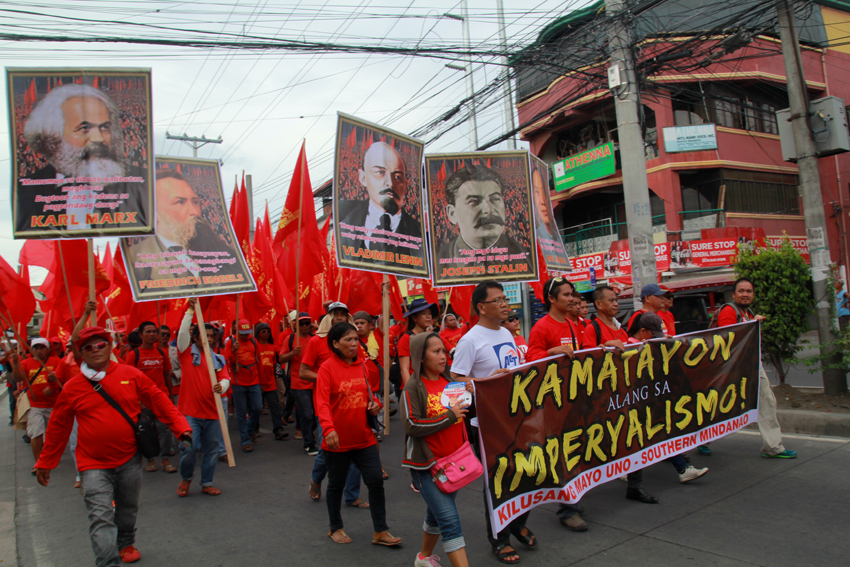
[
  {"x": 244, "y": 327},
  {"x": 91, "y": 332}
]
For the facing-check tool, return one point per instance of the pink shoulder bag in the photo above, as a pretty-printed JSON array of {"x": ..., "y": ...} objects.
[{"x": 455, "y": 471}]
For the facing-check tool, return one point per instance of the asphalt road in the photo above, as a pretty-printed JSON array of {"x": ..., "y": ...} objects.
[{"x": 746, "y": 511}]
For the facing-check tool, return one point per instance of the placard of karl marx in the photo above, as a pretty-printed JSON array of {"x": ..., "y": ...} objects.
[{"x": 78, "y": 129}]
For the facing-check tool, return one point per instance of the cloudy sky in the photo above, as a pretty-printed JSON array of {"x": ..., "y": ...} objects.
[{"x": 263, "y": 103}]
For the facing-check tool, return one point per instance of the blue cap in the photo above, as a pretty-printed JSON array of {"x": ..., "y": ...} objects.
[
  {"x": 651, "y": 289},
  {"x": 304, "y": 315}
]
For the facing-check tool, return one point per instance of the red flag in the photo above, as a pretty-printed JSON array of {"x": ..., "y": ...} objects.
[
  {"x": 30, "y": 97},
  {"x": 428, "y": 291},
  {"x": 119, "y": 296},
  {"x": 17, "y": 299},
  {"x": 544, "y": 275},
  {"x": 461, "y": 300},
  {"x": 242, "y": 222},
  {"x": 37, "y": 253},
  {"x": 57, "y": 295},
  {"x": 352, "y": 138},
  {"x": 396, "y": 299},
  {"x": 441, "y": 175},
  {"x": 233, "y": 200},
  {"x": 303, "y": 248},
  {"x": 96, "y": 83}
]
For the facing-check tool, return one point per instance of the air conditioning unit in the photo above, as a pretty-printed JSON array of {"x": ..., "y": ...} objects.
[{"x": 828, "y": 123}]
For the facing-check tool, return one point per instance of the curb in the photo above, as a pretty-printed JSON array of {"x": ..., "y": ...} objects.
[{"x": 814, "y": 422}]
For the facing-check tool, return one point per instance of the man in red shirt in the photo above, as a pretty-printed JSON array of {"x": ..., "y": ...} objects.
[
  {"x": 605, "y": 330},
  {"x": 652, "y": 298},
  {"x": 555, "y": 333},
  {"x": 154, "y": 363},
  {"x": 197, "y": 403},
  {"x": 107, "y": 454},
  {"x": 512, "y": 325},
  {"x": 243, "y": 354},
  {"x": 44, "y": 375},
  {"x": 267, "y": 355},
  {"x": 284, "y": 384},
  {"x": 739, "y": 312},
  {"x": 666, "y": 314},
  {"x": 302, "y": 390}
]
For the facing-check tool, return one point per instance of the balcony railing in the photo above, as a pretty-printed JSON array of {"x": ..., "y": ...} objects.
[{"x": 598, "y": 238}]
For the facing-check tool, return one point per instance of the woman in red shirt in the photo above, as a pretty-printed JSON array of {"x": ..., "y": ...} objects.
[
  {"x": 343, "y": 400},
  {"x": 431, "y": 432},
  {"x": 420, "y": 318}
]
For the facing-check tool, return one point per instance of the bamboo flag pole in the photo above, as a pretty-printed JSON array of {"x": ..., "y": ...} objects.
[
  {"x": 385, "y": 292},
  {"x": 93, "y": 315},
  {"x": 65, "y": 279},
  {"x": 105, "y": 306},
  {"x": 222, "y": 419},
  {"x": 298, "y": 244}
]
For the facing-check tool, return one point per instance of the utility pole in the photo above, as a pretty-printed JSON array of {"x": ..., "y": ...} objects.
[
  {"x": 470, "y": 86},
  {"x": 506, "y": 84},
  {"x": 195, "y": 143},
  {"x": 626, "y": 92},
  {"x": 834, "y": 381}
]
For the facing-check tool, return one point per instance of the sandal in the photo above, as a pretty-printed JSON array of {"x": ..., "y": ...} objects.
[
  {"x": 170, "y": 469},
  {"x": 247, "y": 448},
  {"x": 358, "y": 504},
  {"x": 183, "y": 488},
  {"x": 152, "y": 467},
  {"x": 503, "y": 556},
  {"x": 385, "y": 475},
  {"x": 385, "y": 539},
  {"x": 211, "y": 490},
  {"x": 339, "y": 536},
  {"x": 528, "y": 540},
  {"x": 315, "y": 490}
]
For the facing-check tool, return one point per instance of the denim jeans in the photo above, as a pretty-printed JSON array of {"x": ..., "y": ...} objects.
[
  {"x": 289, "y": 404},
  {"x": 304, "y": 415},
  {"x": 221, "y": 448},
  {"x": 441, "y": 516},
  {"x": 272, "y": 400},
  {"x": 352, "y": 481},
  {"x": 248, "y": 400},
  {"x": 167, "y": 441},
  {"x": 368, "y": 460},
  {"x": 206, "y": 436},
  {"x": 679, "y": 463},
  {"x": 112, "y": 529}
]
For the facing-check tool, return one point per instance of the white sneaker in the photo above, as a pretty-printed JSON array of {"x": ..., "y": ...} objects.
[
  {"x": 430, "y": 561},
  {"x": 691, "y": 473},
  {"x": 624, "y": 478}
]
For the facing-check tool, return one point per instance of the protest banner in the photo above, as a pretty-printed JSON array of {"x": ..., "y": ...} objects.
[
  {"x": 82, "y": 149},
  {"x": 548, "y": 235},
  {"x": 479, "y": 218},
  {"x": 377, "y": 200},
  {"x": 194, "y": 252},
  {"x": 553, "y": 429}
]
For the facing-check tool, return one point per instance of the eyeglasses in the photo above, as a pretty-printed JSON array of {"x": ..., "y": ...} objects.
[
  {"x": 498, "y": 301},
  {"x": 95, "y": 346},
  {"x": 513, "y": 318},
  {"x": 304, "y": 323}
]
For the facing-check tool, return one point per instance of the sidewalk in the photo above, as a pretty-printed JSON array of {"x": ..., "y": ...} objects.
[{"x": 8, "y": 545}]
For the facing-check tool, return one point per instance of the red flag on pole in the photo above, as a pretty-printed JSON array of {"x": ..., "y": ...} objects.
[{"x": 16, "y": 296}]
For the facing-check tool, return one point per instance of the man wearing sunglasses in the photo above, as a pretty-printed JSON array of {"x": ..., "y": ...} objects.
[
  {"x": 512, "y": 325},
  {"x": 108, "y": 458}
]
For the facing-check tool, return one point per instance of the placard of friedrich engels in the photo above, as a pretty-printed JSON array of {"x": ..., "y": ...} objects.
[
  {"x": 377, "y": 200},
  {"x": 481, "y": 219},
  {"x": 548, "y": 236},
  {"x": 194, "y": 251},
  {"x": 82, "y": 152}
]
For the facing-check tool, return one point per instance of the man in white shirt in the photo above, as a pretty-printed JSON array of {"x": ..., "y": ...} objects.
[{"x": 487, "y": 349}]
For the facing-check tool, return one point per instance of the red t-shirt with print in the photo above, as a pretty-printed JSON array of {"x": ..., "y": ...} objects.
[
  {"x": 445, "y": 442},
  {"x": 266, "y": 354},
  {"x": 42, "y": 392},
  {"x": 154, "y": 364}
]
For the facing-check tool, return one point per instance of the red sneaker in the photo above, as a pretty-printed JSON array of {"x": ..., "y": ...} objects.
[{"x": 130, "y": 554}]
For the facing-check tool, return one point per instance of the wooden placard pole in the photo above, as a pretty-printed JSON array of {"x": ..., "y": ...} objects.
[
  {"x": 385, "y": 318},
  {"x": 92, "y": 316},
  {"x": 65, "y": 280},
  {"x": 222, "y": 419}
]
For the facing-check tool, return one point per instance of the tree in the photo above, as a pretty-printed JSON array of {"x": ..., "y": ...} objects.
[{"x": 781, "y": 279}]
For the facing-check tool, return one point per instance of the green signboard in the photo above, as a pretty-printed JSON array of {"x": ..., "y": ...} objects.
[{"x": 583, "y": 167}]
